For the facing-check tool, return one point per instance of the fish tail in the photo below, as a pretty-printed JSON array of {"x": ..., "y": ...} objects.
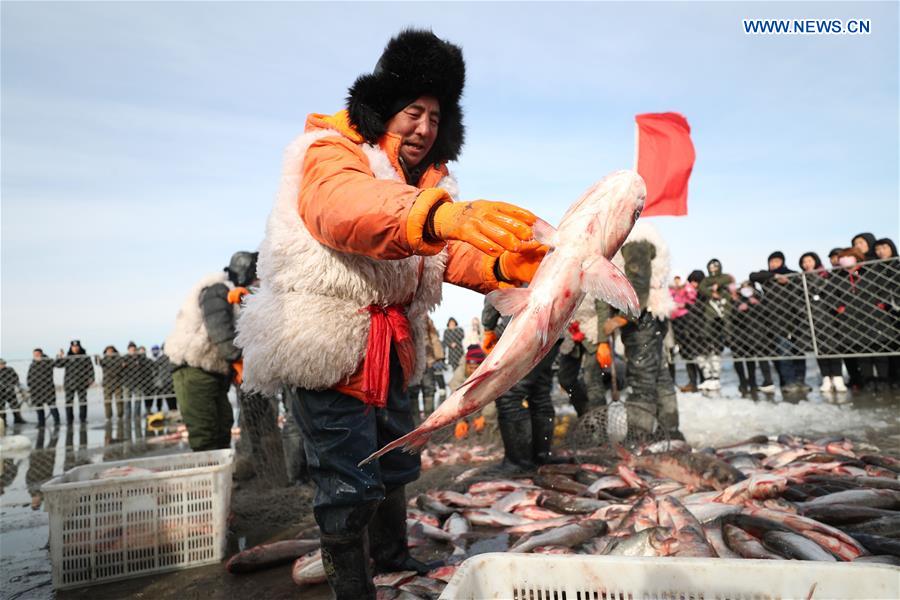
[{"x": 411, "y": 442}]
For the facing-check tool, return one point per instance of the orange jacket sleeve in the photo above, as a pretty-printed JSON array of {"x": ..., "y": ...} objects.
[
  {"x": 469, "y": 267},
  {"x": 346, "y": 208}
]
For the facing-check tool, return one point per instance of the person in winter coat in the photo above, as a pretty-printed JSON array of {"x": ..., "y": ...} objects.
[
  {"x": 784, "y": 307},
  {"x": 687, "y": 325},
  {"x": 364, "y": 231},
  {"x": 474, "y": 333},
  {"x": 203, "y": 353},
  {"x": 132, "y": 394},
  {"x": 822, "y": 294},
  {"x": 112, "y": 366},
  {"x": 41, "y": 386},
  {"x": 644, "y": 258},
  {"x": 525, "y": 413},
  {"x": 851, "y": 314},
  {"x": 747, "y": 338},
  {"x": 877, "y": 284},
  {"x": 715, "y": 291},
  {"x": 577, "y": 356},
  {"x": 9, "y": 386},
  {"x": 79, "y": 376},
  {"x": 434, "y": 354},
  {"x": 865, "y": 243},
  {"x": 163, "y": 388},
  {"x": 145, "y": 378},
  {"x": 453, "y": 343},
  {"x": 889, "y": 274}
]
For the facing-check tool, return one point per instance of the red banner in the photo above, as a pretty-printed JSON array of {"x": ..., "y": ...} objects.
[{"x": 665, "y": 158}]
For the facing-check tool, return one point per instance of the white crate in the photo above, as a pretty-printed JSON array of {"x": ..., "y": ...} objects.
[
  {"x": 108, "y": 529},
  {"x": 584, "y": 577}
]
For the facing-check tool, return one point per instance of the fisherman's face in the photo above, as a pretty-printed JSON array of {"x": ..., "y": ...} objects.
[
  {"x": 470, "y": 368},
  {"x": 883, "y": 251},
  {"x": 808, "y": 263},
  {"x": 417, "y": 126},
  {"x": 775, "y": 263},
  {"x": 36, "y": 355},
  {"x": 861, "y": 244},
  {"x": 835, "y": 261}
]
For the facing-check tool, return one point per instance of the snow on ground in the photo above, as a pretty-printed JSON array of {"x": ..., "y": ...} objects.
[{"x": 716, "y": 420}]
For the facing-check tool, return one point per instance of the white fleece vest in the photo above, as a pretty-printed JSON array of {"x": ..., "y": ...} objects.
[
  {"x": 305, "y": 326},
  {"x": 189, "y": 344},
  {"x": 659, "y": 300}
]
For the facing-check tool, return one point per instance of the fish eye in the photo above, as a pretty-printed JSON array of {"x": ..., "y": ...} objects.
[{"x": 637, "y": 213}]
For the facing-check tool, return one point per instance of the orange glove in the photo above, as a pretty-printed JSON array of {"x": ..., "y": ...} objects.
[
  {"x": 490, "y": 340},
  {"x": 236, "y": 295},
  {"x": 238, "y": 367},
  {"x": 604, "y": 356},
  {"x": 614, "y": 323},
  {"x": 478, "y": 423},
  {"x": 492, "y": 227},
  {"x": 519, "y": 267},
  {"x": 461, "y": 430}
]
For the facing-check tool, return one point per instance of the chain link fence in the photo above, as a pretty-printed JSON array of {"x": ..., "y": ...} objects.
[{"x": 845, "y": 312}]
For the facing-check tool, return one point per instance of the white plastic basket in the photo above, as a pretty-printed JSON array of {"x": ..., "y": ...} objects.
[
  {"x": 580, "y": 577},
  {"x": 123, "y": 527}
]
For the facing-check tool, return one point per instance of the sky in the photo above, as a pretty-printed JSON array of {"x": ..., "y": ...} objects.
[{"x": 141, "y": 142}]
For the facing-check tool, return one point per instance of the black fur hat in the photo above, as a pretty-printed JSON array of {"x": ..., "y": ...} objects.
[{"x": 414, "y": 63}]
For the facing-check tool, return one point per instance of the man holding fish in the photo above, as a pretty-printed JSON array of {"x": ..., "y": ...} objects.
[{"x": 364, "y": 231}]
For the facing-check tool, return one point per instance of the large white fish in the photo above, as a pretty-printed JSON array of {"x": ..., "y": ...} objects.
[{"x": 578, "y": 263}]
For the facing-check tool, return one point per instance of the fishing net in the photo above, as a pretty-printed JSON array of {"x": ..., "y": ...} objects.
[{"x": 630, "y": 425}]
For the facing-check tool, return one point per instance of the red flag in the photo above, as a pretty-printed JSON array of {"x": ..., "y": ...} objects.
[{"x": 665, "y": 158}]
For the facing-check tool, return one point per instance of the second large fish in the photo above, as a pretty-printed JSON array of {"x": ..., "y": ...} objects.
[{"x": 589, "y": 235}]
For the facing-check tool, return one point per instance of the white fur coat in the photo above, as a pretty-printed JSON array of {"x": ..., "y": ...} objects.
[
  {"x": 306, "y": 326},
  {"x": 189, "y": 344}
]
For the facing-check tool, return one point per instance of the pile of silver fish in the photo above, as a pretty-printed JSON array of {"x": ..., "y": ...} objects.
[{"x": 785, "y": 498}]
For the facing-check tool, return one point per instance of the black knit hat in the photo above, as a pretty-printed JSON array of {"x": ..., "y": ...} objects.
[
  {"x": 696, "y": 275},
  {"x": 414, "y": 63}
]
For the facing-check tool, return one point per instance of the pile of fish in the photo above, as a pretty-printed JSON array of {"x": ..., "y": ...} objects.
[
  {"x": 454, "y": 453},
  {"x": 784, "y": 498}
]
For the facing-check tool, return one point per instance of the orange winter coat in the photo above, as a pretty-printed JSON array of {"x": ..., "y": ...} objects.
[{"x": 345, "y": 207}]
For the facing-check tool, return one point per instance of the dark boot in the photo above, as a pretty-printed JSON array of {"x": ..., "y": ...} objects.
[
  {"x": 17, "y": 417},
  {"x": 387, "y": 536},
  {"x": 542, "y": 441},
  {"x": 42, "y": 419},
  {"x": 516, "y": 445},
  {"x": 70, "y": 415},
  {"x": 82, "y": 413},
  {"x": 743, "y": 386},
  {"x": 346, "y": 561},
  {"x": 54, "y": 412}
]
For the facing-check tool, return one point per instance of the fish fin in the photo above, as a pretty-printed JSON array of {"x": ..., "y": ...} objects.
[
  {"x": 473, "y": 382},
  {"x": 510, "y": 301},
  {"x": 605, "y": 281},
  {"x": 411, "y": 442},
  {"x": 542, "y": 326},
  {"x": 545, "y": 233}
]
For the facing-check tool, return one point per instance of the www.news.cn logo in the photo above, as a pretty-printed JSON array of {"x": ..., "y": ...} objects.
[{"x": 807, "y": 26}]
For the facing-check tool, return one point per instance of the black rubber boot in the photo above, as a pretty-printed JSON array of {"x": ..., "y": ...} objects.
[
  {"x": 54, "y": 412},
  {"x": 70, "y": 415},
  {"x": 42, "y": 418},
  {"x": 542, "y": 441},
  {"x": 387, "y": 536},
  {"x": 17, "y": 417},
  {"x": 82, "y": 413},
  {"x": 346, "y": 561},
  {"x": 516, "y": 445}
]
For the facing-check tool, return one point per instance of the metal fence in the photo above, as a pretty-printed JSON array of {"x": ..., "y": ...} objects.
[
  {"x": 126, "y": 384},
  {"x": 843, "y": 312}
]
